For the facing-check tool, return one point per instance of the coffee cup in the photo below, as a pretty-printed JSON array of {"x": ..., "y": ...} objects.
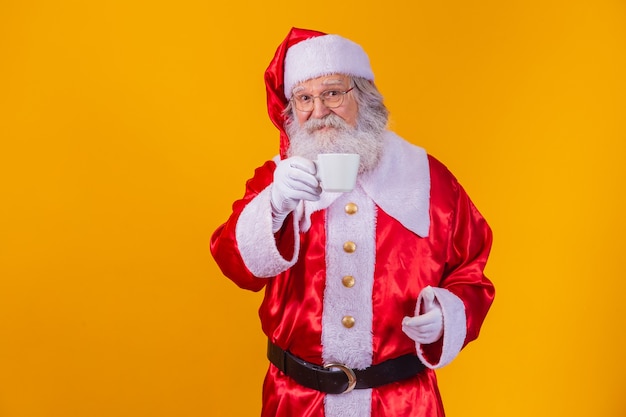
[{"x": 337, "y": 172}]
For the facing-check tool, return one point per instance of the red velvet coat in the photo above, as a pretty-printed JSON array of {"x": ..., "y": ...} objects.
[{"x": 414, "y": 226}]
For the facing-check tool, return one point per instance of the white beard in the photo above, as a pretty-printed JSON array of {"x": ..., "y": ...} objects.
[{"x": 307, "y": 140}]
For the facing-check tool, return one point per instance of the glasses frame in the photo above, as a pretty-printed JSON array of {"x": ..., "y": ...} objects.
[{"x": 320, "y": 96}]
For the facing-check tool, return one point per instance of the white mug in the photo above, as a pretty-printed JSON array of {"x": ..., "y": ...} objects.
[{"x": 337, "y": 172}]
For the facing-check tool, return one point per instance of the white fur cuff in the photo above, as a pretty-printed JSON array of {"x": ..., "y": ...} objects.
[
  {"x": 454, "y": 327},
  {"x": 256, "y": 241}
]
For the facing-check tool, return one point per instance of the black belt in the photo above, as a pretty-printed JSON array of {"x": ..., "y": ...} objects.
[{"x": 336, "y": 378}]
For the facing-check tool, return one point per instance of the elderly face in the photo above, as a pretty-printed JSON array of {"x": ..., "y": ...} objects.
[
  {"x": 356, "y": 126},
  {"x": 348, "y": 110}
]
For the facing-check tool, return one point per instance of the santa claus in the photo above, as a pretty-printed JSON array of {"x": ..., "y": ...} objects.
[{"x": 367, "y": 292}]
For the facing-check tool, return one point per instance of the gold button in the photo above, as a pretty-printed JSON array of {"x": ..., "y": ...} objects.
[
  {"x": 349, "y": 247},
  {"x": 348, "y": 281},
  {"x": 351, "y": 208},
  {"x": 347, "y": 321}
]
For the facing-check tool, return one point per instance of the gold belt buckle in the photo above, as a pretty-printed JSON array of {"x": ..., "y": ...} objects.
[{"x": 349, "y": 373}]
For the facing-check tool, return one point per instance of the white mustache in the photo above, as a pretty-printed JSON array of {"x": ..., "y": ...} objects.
[{"x": 331, "y": 120}]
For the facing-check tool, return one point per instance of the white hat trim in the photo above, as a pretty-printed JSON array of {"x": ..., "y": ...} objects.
[{"x": 324, "y": 55}]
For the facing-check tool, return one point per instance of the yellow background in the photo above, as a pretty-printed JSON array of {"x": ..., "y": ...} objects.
[{"x": 127, "y": 128}]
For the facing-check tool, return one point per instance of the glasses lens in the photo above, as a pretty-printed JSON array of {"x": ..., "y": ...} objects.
[
  {"x": 332, "y": 98},
  {"x": 303, "y": 103}
]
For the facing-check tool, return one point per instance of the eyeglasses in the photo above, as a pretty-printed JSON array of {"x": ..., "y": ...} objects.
[{"x": 330, "y": 98}]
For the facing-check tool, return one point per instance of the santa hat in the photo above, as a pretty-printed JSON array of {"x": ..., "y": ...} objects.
[{"x": 306, "y": 54}]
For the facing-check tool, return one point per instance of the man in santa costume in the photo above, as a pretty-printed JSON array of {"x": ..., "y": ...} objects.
[{"x": 367, "y": 292}]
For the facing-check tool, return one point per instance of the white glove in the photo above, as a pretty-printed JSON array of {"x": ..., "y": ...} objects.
[
  {"x": 427, "y": 327},
  {"x": 294, "y": 180}
]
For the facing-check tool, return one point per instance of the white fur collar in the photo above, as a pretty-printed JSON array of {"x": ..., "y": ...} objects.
[{"x": 399, "y": 185}]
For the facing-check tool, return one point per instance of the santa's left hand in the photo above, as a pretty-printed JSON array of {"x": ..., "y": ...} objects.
[{"x": 426, "y": 327}]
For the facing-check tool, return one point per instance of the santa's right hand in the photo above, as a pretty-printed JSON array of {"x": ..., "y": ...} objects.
[{"x": 294, "y": 180}]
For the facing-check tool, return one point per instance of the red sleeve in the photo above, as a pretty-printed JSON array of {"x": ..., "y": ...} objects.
[
  {"x": 224, "y": 243},
  {"x": 469, "y": 244}
]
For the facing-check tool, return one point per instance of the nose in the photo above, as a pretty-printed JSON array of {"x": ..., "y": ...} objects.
[{"x": 319, "y": 109}]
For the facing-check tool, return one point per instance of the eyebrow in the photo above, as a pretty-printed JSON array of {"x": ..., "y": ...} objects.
[{"x": 330, "y": 81}]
